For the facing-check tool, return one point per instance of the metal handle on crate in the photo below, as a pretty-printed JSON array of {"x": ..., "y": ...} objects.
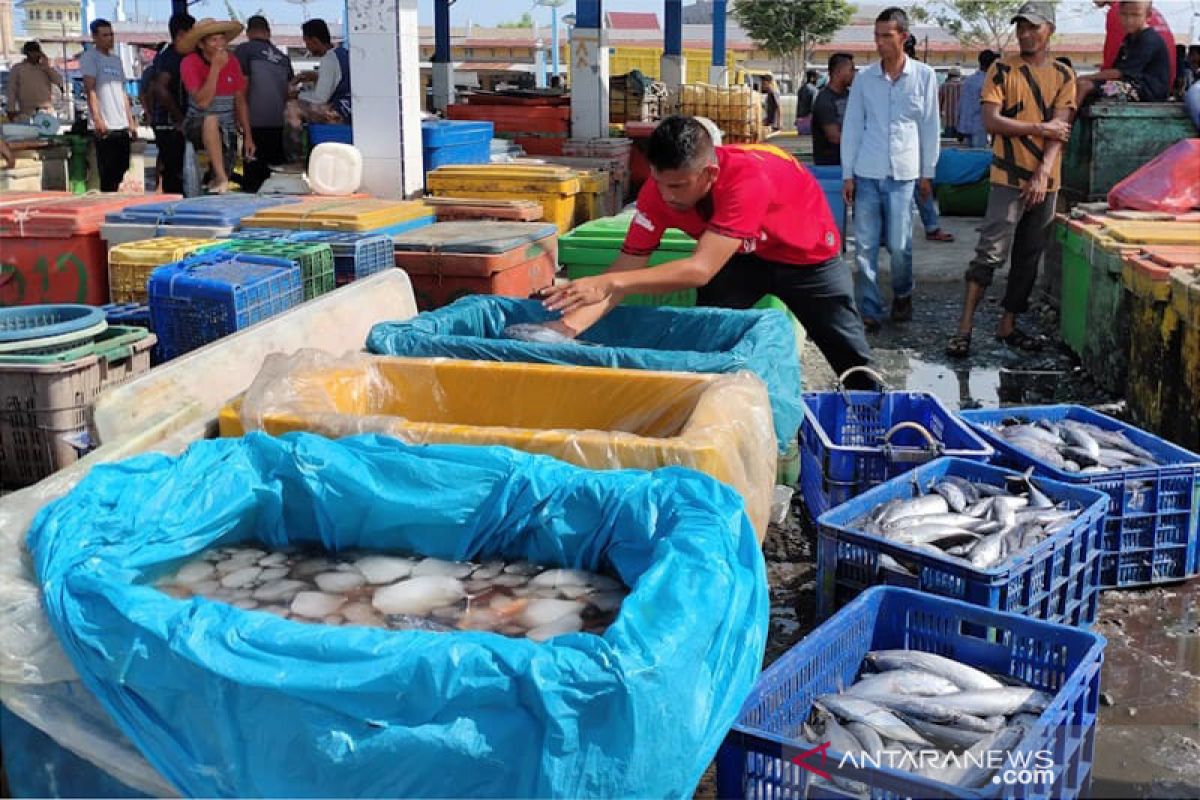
[
  {"x": 841, "y": 380},
  {"x": 934, "y": 446}
]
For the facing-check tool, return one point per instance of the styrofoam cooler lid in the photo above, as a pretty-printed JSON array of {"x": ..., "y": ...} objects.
[
  {"x": 473, "y": 237},
  {"x": 214, "y": 210},
  {"x": 443, "y": 133},
  {"x": 66, "y": 217}
]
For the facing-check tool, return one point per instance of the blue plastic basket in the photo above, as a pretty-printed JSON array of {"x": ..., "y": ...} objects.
[
  {"x": 445, "y": 142},
  {"x": 318, "y": 134},
  {"x": 853, "y": 440},
  {"x": 1058, "y": 580},
  {"x": 199, "y": 300},
  {"x": 1151, "y": 528},
  {"x": 755, "y": 760},
  {"x": 20, "y": 323},
  {"x": 136, "y": 314},
  {"x": 355, "y": 255}
]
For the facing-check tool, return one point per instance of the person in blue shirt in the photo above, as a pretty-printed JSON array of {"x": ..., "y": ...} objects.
[
  {"x": 970, "y": 107},
  {"x": 890, "y": 143}
]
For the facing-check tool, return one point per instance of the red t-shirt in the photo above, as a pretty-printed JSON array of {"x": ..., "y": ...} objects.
[
  {"x": 762, "y": 196},
  {"x": 195, "y": 69}
]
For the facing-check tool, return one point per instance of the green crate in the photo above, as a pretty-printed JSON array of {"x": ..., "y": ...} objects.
[
  {"x": 968, "y": 200},
  {"x": 315, "y": 261},
  {"x": 1106, "y": 337},
  {"x": 1076, "y": 284}
]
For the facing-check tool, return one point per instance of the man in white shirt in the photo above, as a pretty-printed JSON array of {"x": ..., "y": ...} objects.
[
  {"x": 890, "y": 141},
  {"x": 328, "y": 102},
  {"x": 110, "y": 111}
]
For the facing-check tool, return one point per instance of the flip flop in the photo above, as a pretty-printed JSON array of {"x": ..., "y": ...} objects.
[
  {"x": 1019, "y": 340},
  {"x": 959, "y": 345},
  {"x": 939, "y": 236}
]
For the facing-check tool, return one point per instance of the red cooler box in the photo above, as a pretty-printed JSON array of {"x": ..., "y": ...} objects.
[
  {"x": 447, "y": 260},
  {"x": 51, "y": 250}
]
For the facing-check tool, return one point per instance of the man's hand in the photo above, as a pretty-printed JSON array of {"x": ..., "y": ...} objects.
[
  {"x": 1055, "y": 129},
  {"x": 133, "y": 129},
  {"x": 220, "y": 59},
  {"x": 248, "y": 146},
  {"x": 925, "y": 188},
  {"x": 578, "y": 294},
  {"x": 1034, "y": 192},
  {"x": 101, "y": 128},
  {"x": 848, "y": 191}
]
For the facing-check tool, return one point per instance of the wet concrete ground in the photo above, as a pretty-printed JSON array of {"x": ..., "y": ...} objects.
[{"x": 1148, "y": 741}]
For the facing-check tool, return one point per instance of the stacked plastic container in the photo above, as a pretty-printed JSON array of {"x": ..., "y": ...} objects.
[
  {"x": 54, "y": 361},
  {"x": 450, "y": 259},
  {"x": 615, "y": 151},
  {"x": 53, "y": 252},
  {"x": 130, "y": 264},
  {"x": 355, "y": 255},
  {"x": 347, "y": 215},
  {"x": 449, "y": 209},
  {"x": 194, "y": 218},
  {"x": 830, "y": 179},
  {"x": 556, "y": 188},
  {"x": 314, "y": 259},
  {"x": 199, "y": 300},
  {"x": 592, "y": 247},
  {"x": 455, "y": 142},
  {"x": 540, "y": 126}
]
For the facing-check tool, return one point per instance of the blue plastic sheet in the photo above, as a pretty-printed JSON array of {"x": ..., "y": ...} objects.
[
  {"x": 959, "y": 167},
  {"x": 226, "y": 702},
  {"x": 706, "y": 340}
]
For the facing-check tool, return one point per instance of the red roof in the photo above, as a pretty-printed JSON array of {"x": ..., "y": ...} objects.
[{"x": 632, "y": 21}]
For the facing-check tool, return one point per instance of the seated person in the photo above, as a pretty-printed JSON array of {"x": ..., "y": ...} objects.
[
  {"x": 1142, "y": 71},
  {"x": 216, "y": 91},
  {"x": 328, "y": 102}
]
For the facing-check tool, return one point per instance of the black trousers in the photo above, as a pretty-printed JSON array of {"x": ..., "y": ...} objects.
[
  {"x": 820, "y": 295},
  {"x": 112, "y": 159},
  {"x": 268, "y": 152},
  {"x": 171, "y": 147}
]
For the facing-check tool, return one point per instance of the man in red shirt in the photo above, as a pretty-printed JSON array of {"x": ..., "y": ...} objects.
[
  {"x": 762, "y": 227},
  {"x": 216, "y": 90}
]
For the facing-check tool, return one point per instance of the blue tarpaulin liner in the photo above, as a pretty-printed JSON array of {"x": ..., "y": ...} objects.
[
  {"x": 706, "y": 340},
  {"x": 224, "y": 702},
  {"x": 959, "y": 167}
]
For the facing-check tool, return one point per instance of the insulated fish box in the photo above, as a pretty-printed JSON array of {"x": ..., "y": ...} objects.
[
  {"x": 556, "y": 188},
  {"x": 355, "y": 215},
  {"x": 448, "y": 260},
  {"x": 195, "y": 217}
]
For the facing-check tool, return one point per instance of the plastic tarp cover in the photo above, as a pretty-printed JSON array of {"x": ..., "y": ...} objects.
[
  {"x": 593, "y": 417},
  {"x": 959, "y": 167},
  {"x": 1169, "y": 182},
  {"x": 702, "y": 340},
  {"x": 227, "y": 702}
]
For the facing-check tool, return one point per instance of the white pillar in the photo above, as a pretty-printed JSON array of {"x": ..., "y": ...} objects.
[
  {"x": 589, "y": 82},
  {"x": 718, "y": 76},
  {"x": 385, "y": 81},
  {"x": 443, "y": 85},
  {"x": 674, "y": 71}
]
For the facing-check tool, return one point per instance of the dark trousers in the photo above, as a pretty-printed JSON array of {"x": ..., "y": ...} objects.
[
  {"x": 171, "y": 148},
  {"x": 821, "y": 296},
  {"x": 1011, "y": 228},
  {"x": 268, "y": 152},
  {"x": 112, "y": 159}
]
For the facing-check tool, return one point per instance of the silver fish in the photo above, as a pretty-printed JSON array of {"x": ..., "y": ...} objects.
[
  {"x": 972, "y": 770},
  {"x": 926, "y": 504},
  {"x": 953, "y": 495},
  {"x": 957, "y": 520},
  {"x": 903, "y": 681},
  {"x": 946, "y": 737},
  {"x": 928, "y": 534},
  {"x": 930, "y": 709},
  {"x": 998, "y": 702},
  {"x": 965, "y": 677},
  {"x": 855, "y": 709},
  {"x": 989, "y": 551}
]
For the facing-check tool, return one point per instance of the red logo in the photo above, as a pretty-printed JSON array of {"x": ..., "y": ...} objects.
[{"x": 799, "y": 760}]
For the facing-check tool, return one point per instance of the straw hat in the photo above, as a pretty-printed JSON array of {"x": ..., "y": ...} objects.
[{"x": 207, "y": 27}]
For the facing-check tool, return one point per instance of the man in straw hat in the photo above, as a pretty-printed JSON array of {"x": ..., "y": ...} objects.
[{"x": 216, "y": 89}]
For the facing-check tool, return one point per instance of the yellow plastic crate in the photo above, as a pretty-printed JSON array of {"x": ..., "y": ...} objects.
[
  {"x": 593, "y": 417},
  {"x": 592, "y": 201},
  {"x": 556, "y": 188},
  {"x": 130, "y": 264},
  {"x": 1164, "y": 232},
  {"x": 347, "y": 214}
]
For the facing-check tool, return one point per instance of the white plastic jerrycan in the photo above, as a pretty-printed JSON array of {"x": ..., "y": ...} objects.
[{"x": 335, "y": 169}]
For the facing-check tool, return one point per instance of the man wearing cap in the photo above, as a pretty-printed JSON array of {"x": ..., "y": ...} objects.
[
  {"x": 216, "y": 89},
  {"x": 1027, "y": 101},
  {"x": 31, "y": 84}
]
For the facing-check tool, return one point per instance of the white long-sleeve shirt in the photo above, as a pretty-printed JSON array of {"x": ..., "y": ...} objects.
[
  {"x": 892, "y": 128},
  {"x": 329, "y": 75}
]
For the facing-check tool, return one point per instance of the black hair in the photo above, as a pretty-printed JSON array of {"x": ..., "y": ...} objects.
[
  {"x": 317, "y": 29},
  {"x": 1065, "y": 61},
  {"x": 910, "y": 46},
  {"x": 987, "y": 58},
  {"x": 30, "y": 47},
  {"x": 812, "y": 76},
  {"x": 180, "y": 23},
  {"x": 837, "y": 59},
  {"x": 679, "y": 141},
  {"x": 97, "y": 24},
  {"x": 258, "y": 23},
  {"x": 896, "y": 15},
  {"x": 1194, "y": 48}
]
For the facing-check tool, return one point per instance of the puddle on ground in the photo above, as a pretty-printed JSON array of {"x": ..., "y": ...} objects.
[
  {"x": 1148, "y": 742},
  {"x": 965, "y": 387}
]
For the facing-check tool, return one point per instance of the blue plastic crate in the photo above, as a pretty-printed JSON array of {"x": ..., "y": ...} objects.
[
  {"x": 210, "y": 211},
  {"x": 1058, "y": 580},
  {"x": 446, "y": 142},
  {"x": 318, "y": 133},
  {"x": 853, "y": 440},
  {"x": 355, "y": 255},
  {"x": 755, "y": 760},
  {"x": 707, "y": 340},
  {"x": 199, "y": 300},
  {"x": 1151, "y": 528},
  {"x": 136, "y": 314}
]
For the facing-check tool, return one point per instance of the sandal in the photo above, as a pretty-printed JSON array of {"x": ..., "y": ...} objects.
[
  {"x": 959, "y": 345},
  {"x": 939, "y": 236},
  {"x": 1019, "y": 340}
]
